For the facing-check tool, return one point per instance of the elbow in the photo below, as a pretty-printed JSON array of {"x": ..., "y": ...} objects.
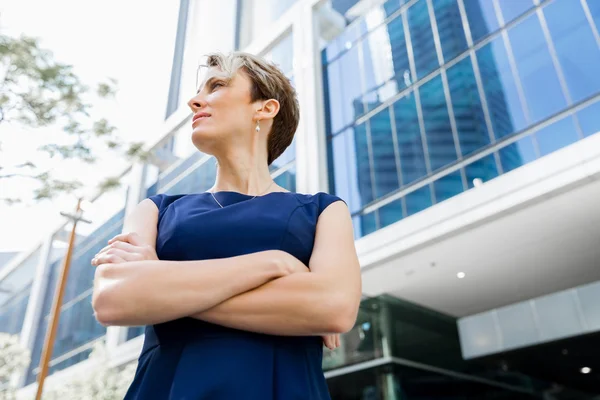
[
  {"x": 104, "y": 299},
  {"x": 104, "y": 312},
  {"x": 342, "y": 316}
]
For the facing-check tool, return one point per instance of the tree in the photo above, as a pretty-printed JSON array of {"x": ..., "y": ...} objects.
[
  {"x": 13, "y": 358},
  {"x": 36, "y": 91}
]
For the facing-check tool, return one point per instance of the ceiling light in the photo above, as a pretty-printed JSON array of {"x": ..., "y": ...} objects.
[
  {"x": 586, "y": 370},
  {"x": 461, "y": 275},
  {"x": 348, "y": 45}
]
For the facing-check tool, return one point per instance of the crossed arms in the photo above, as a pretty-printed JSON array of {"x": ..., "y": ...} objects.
[{"x": 270, "y": 292}]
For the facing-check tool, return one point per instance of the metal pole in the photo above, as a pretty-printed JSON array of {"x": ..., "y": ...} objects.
[{"x": 58, "y": 297}]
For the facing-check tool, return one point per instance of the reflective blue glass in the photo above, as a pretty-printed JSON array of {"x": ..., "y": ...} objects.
[
  {"x": 484, "y": 169},
  {"x": 410, "y": 145},
  {"x": 511, "y": 9},
  {"x": 77, "y": 323},
  {"x": 448, "y": 186},
  {"x": 538, "y": 76},
  {"x": 77, "y": 327},
  {"x": 343, "y": 78},
  {"x": 384, "y": 157},
  {"x": 287, "y": 156},
  {"x": 363, "y": 166},
  {"x": 287, "y": 179},
  {"x": 12, "y": 313},
  {"x": 519, "y": 153},
  {"x": 438, "y": 131},
  {"x": 468, "y": 111},
  {"x": 589, "y": 119},
  {"x": 178, "y": 170},
  {"x": 556, "y": 136},
  {"x": 450, "y": 28},
  {"x": 594, "y": 7},
  {"x": 15, "y": 288},
  {"x": 418, "y": 200},
  {"x": 384, "y": 75},
  {"x": 134, "y": 332},
  {"x": 504, "y": 105},
  {"x": 576, "y": 47},
  {"x": 342, "y": 42},
  {"x": 199, "y": 180},
  {"x": 342, "y": 162},
  {"x": 482, "y": 18},
  {"x": 390, "y": 213},
  {"x": 421, "y": 37},
  {"x": 364, "y": 224}
]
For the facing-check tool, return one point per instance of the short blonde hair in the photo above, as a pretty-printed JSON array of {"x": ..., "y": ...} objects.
[{"x": 268, "y": 82}]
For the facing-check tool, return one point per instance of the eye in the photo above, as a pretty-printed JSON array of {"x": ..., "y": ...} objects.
[{"x": 216, "y": 84}]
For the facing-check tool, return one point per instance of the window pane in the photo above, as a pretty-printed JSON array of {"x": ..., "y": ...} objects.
[
  {"x": 343, "y": 77},
  {"x": 450, "y": 28},
  {"x": 538, "y": 77},
  {"x": 440, "y": 142},
  {"x": 410, "y": 146},
  {"x": 448, "y": 186},
  {"x": 506, "y": 110},
  {"x": 418, "y": 200},
  {"x": 282, "y": 54},
  {"x": 390, "y": 213},
  {"x": 384, "y": 158},
  {"x": 589, "y": 119},
  {"x": 511, "y": 9},
  {"x": 379, "y": 56},
  {"x": 556, "y": 136},
  {"x": 484, "y": 169},
  {"x": 343, "y": 149},
  {"x": 516, "y": 154},
  {"x": 342, "y": 42},
  {"x": 470, "y": 121},
  {"x": 576, "y": 47},
  {"x": 482, "y": 18},
  {"x": 287, "y": 156},
  {"x": 421, "y": 38},
  {"x": 594, "y": 7},
  {"x": 364, "y": 224},
  {"x": 287, "y": 179}
]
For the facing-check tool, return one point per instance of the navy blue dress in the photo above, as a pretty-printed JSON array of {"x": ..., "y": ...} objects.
[{"x": 192, "y": 359}]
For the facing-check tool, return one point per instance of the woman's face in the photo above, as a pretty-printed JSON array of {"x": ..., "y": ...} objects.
[{"x": 223, "y": 111}]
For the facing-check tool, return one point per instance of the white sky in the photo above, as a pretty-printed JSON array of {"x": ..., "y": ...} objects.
[{"x": 131, "y": 41}]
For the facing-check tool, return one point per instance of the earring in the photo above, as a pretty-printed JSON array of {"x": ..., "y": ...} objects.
[{"x": 257, "y": 126}]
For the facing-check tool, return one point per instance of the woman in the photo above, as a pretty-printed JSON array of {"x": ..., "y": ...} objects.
[{"x": 240, "y": 285}]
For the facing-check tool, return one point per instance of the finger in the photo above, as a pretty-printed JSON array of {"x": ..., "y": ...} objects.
[
  {"x": 121, "y": 245},
  {"x": 130, "y": 237},
  {"x": 107, "y": 259},
  {"x": 338, "y": 340}
]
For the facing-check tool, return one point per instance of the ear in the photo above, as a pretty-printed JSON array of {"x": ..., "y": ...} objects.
[{"x": 268, "y": 109}]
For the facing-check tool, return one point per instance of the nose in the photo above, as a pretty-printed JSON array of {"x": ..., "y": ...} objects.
[{"x": 196, "y": 103}]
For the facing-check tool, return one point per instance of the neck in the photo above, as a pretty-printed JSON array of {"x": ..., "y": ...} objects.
[{"x": 243, "y": 173}]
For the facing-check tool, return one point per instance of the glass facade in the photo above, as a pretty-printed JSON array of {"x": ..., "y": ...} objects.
[
  {"x": 15, "y": 289},
  {"x": 458, "y": 90},
  {"x": 399, "y": 350},
  {"x": 78, "y": 328}
]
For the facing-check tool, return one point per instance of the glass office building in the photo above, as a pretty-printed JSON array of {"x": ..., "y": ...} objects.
[
  {"x": 425, "y": 98},
  {"x": 410, "y": 109}
]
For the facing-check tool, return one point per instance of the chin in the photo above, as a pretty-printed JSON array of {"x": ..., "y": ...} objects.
[{"x": 202, "y": 139}]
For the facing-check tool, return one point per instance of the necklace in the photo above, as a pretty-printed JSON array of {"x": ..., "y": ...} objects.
[{"x": 220, "y": 205}]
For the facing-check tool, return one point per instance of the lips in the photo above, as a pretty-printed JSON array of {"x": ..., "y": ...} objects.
[{"x": 200, "y": 115}]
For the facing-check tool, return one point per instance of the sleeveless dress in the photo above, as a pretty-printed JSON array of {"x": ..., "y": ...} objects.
[{"x": 189, "y": 359}]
